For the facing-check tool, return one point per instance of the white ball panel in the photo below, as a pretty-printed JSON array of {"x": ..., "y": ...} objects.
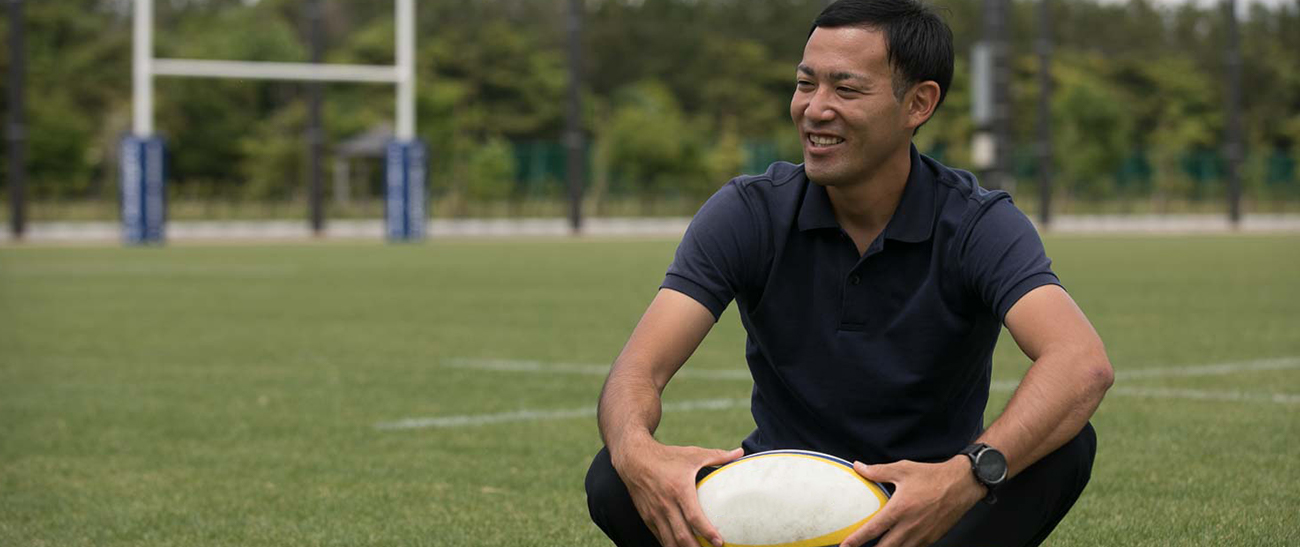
[{"x": 784, "y": 498}]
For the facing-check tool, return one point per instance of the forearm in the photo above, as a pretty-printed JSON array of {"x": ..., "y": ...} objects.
[
  {"x": 628, "y": 412},
  {"x": 630, "y": 407},
  {"x": 1055, "y": 399}
]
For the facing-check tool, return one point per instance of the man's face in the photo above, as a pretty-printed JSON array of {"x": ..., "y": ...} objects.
[{"x": 844, "y": 106}]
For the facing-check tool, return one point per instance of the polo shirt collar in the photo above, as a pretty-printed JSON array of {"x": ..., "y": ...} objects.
[
  {"x": 816, "y": 211},
  {"x": 913, "y": 220}
]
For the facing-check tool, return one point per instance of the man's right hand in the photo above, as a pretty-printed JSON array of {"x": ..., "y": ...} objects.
[{"x": 661, "y": 481}]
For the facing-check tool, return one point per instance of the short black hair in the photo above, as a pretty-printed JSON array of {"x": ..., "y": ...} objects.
[{"x": 918, "y": 43}]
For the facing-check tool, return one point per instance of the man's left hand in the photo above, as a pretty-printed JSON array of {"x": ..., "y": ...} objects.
[{"x": 929, "y": 498}]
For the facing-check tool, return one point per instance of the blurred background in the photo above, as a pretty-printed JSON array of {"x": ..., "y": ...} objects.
[
  {"x": 352, "y": 392},
  {"x": 675, "y": 98}
]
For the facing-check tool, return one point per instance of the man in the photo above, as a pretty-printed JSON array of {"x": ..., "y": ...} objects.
[{"x": 872, "y": 282}]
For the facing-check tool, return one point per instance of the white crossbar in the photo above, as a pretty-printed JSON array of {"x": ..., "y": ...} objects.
[
  {"x": 259, "y": 70},
  {"x": 145, "y": 67}
]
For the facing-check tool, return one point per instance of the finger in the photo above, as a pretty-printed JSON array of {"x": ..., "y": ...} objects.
[
  {"x": 883, "y": 521},
  {"x": 647, "y": 517},
  {"x": 720, "y": 457},
  {"x": 656, "y": 519},
  {"x": 885, "y": 472},
  {"x": 690, "y": 506},
  {"x": 893, "y": 538},
  {"x": 681, "y": 532},
  {"x": 661, "y": 533},
  {"x": 902, "y": 535}
]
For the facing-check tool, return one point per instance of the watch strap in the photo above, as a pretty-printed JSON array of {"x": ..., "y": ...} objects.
[{"x": 973, "y": 451}]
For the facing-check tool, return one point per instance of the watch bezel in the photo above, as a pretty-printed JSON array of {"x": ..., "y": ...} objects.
[
  {"x": 990, "y": 454},
  {"x": 979, "y": 453}
]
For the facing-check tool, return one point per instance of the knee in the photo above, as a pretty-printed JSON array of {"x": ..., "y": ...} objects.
[
  {"x": 1082, "y": 449},
  {"x": 1070, "y": 466},
  {"x": 611, "y": 506},
  {"x": 1085, "y": 447},
  {"x": 1066, "y": 469},
  {"x": 1089, "y": 438},
  {"x": 605, "y": 488}
]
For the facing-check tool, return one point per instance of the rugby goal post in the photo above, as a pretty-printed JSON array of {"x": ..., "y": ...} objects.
[{"x": 143, "y": 195}]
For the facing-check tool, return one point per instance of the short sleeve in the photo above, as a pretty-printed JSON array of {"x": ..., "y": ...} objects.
[
  {"x": 1003, "y": 258},
  {"x": 718, "y": 253}
]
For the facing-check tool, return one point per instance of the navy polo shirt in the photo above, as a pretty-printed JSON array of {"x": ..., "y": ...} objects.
[{"x": 876, "y": 357}]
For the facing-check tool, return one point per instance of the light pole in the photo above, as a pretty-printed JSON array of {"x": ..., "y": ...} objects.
[
  {"x": 1045, "y": 112},
  {"x": 315, "y": 135},
  {"x": 16, "y": 129},
  {"x": 1233, "y": 149},
  {"x": 575, "y": 167}
]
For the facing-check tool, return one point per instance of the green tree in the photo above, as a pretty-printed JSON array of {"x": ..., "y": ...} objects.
[
  {"x": 232, "y": 133},
  {"x": 490, "y": 170},
  {"x": 1092, "y": 126},
  {"x": 77, "y": 60},
  {"x": 653, "y": 144}
]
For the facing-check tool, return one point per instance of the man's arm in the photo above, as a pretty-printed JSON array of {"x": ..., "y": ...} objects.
[
  {"x": 1055, "y": 399},
  {"x": 660, "y": 478},
  {"x": 1063, "y": 387}
]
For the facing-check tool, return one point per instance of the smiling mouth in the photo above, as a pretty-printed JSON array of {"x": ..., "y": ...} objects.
[{"x": 823, "y": 141}]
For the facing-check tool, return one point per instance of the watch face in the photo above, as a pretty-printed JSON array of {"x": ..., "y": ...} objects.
[{"x": 991, "y": 466}]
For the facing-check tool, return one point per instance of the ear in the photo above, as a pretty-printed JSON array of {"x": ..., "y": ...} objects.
[{"x": 920, "y": 103}]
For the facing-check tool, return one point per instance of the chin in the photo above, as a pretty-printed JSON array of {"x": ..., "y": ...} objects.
[{"x": 821, "y": 176}]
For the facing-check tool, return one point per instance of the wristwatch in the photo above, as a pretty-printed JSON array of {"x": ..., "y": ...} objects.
[{"x": 989, "y": 467}]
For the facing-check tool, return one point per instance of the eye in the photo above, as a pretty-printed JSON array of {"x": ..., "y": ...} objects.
[
  {"x": 847, "y": 90},
  {"x": 804, "y": 84}
]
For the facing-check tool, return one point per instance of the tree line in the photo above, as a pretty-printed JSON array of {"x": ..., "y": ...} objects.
[{"x": 678, "y": 95}]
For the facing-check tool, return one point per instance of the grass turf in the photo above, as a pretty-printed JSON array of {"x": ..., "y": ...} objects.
[{"x": 225, "y": 395}]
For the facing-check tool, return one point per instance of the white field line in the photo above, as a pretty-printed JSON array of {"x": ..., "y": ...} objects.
[
  {"x": 508, "y": 365},
  {"x": 1202, "y": 395},
  {"x": 528, "y": 415},
  {"x": 548, "y": 415},
  {"x": 1218, "y": 369}
]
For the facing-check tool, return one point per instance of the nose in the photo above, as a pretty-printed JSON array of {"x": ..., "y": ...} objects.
[{"x": 819, "y": 108}]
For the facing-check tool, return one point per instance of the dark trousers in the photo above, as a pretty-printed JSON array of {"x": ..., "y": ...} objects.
[{"x": 1028, "y": 508}]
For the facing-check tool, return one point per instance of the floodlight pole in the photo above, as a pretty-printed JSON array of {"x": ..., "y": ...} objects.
[
  {"x": 995, "y": 33},
  {"x": 315, "y": 136},
  {"x": 1232, "y": 132},
  {"x": 16, "y": 132},
  {"x": 573, "y": 138},
  {"x": 1045, "y": 112}
]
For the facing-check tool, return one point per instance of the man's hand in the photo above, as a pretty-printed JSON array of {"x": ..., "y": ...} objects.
[
  {"x": 661, "y": 481},
  {"x": 928, "y": 500}
]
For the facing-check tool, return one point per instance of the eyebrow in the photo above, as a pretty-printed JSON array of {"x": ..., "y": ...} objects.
[{"x": 834, "y": 76}]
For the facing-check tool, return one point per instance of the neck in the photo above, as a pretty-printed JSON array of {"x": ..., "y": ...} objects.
[{"x": 867, "y": 206}]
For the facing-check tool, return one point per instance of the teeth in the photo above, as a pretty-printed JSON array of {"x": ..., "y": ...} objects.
[{"x": 824, "y": 141}]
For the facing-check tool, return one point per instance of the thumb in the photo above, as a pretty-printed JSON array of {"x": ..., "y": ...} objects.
[
  {"x": 880, "y": 473},
  {"x": 719, "y": 457}
]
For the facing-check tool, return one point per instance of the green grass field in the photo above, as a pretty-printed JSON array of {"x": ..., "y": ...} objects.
[{"x": 232, "y": 395}]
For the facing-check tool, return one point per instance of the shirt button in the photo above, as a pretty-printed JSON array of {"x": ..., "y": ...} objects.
[{"x": 854, "y": 280}]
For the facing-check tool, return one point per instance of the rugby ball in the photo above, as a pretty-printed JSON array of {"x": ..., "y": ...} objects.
[{"x": 787, "y": 498}]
